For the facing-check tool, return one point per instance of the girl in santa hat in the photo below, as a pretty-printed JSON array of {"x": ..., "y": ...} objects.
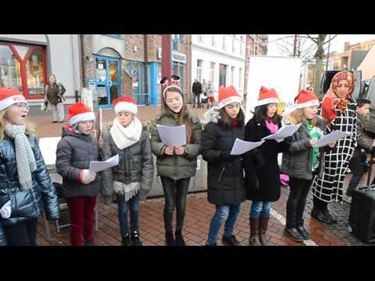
[
  {"x": 176, "y": 164},
  {"x": 339, "y": 109},
  {"x": 132, "y": 178},
  {"x": 300, "y": 162},
  {"x": 226, "y": 188},
  {"x": 74, "y": 152},
  {"x": 24, "y": 179},
  {"x": 261, "y": 166}
]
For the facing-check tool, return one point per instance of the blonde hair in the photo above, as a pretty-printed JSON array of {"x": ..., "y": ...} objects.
[
  {"x": 295, "y": 117},
  {"x": 30, "y": 127}
]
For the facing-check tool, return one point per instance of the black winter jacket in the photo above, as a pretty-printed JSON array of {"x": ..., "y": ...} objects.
[
  {"x": 26, "y": 204},
  {"x": 225, "y": 180},
  {"x": 74, "y": 153}
]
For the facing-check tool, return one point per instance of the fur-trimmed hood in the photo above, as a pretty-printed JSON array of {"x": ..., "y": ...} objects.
[{"x": 212, "y": 115}]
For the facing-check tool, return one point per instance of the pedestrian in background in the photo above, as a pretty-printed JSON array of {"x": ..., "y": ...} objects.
[{"x": 54, "y": 93}]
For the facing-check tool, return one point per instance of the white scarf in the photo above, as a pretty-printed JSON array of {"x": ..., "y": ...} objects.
[
  {"x": 126, "y": 136},
  {"x": 24, "y": 155}
]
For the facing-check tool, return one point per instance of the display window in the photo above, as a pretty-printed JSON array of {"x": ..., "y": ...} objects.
[{"x": 23, "y": 67}]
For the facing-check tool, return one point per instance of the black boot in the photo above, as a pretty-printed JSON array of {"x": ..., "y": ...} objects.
[
  {"x": 89, "y": 243},
  {"x": 135, "y": 239},
  {"x": 179, "y": 239},
  {"x": 126, "y": 241},
  {"x": 254, "y": 231},
  {"x": 302, "y": 230},
  {"x": 169, "y": 238},
  {"x": 318, "y": 211},
  {"x": 230, "y": 241},
  {"x": 263, "y": 224},
  {"x": 293, "y": 234}
]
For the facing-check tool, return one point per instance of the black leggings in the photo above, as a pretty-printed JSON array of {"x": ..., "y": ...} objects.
[
  {"x": 299, "y": 188},
  {"x": 175, "y": 192},
  {"x": 21, "y": 234}
]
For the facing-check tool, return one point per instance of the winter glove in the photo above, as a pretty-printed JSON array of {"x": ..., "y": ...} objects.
[
  {"x": 225, "y": 155},
  {"x": 87, "y": 176}
]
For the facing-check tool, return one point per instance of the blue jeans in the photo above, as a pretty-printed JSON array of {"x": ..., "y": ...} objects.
[
  {"x": 224, "y": 213},
  {"x": 123, "y": 208},
  {"x": 260, "y": 209}
]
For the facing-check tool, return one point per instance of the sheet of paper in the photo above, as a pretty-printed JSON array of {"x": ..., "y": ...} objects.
[
  {"x": 241, "y": 146},
  {"x": 172, "y": 135},
  {"x": 284, "y": 132},
  {"x": 98, "y": 166},
  {"x": 48, "y": 149},
  {"x": 331, "y": 137}
]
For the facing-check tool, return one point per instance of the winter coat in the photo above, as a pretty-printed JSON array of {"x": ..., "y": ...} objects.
[
  {"x": 297, "y": 159},
  {"x": 135, "y": 164},
  {"x": 197, "y": 88},
  {"x": 26, "y": 204},
  {"x": 225, "y": 182},
  {"x": 74, "y": 153},
  {"x": 54, "y": 93},
  {"x": 176, "y": 166},
  {"x": 329, "y": 184},
  {"x": 364, "y": 140},
  {"x": 261, "y": 163}
]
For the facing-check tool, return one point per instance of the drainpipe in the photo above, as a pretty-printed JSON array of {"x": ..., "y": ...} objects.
[{"x": 145, "y": 69}]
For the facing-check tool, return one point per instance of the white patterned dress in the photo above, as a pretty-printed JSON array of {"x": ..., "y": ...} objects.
[{"x": 328, "y": 185}]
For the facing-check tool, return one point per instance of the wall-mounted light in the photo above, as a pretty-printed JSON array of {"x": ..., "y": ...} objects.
[{"x": 135, "y": 48}]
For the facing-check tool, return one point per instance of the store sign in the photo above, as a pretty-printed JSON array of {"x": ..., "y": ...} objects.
[{"x": 178, "y": 57}]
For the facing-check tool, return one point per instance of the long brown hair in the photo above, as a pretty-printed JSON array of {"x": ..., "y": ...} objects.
[
  {"x": 183, "y": 117},
  {"x": 226, "y": 120},
  {"x": 30, "y": 127}
]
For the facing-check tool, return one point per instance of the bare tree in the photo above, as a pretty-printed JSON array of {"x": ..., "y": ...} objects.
[{"x": 309, "y": 48}]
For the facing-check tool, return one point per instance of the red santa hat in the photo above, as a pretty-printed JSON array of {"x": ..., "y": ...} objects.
[
  {"x": 9, "y": 97},
  {"x": 228, "y": 95},
  {"x": 125, "y": 103},
  {"x": 306, "y": 98},
  {"x": 267, "y": 96},
  {"x": 79, "y": 112}
]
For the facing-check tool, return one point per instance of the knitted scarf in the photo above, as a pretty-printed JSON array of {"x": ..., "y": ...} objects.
[
  {"x": 126, "y": 136},
  {"x": 315, "y": 132},
  {"x": 272, "y": 127},
  {"x": 24, "y": 155}
]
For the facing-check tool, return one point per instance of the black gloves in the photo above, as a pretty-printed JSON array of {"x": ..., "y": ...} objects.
[{"x": 227, "y": 157}]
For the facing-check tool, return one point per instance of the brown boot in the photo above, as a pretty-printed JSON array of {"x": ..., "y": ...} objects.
[
  {"x": 263, "y": 223},
  {"x": 254, "y": 231}
]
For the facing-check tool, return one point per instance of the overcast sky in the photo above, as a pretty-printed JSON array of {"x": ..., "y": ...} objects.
[{"x": 337, "y": 44}]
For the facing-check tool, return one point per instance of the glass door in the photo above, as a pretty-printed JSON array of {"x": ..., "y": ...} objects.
[{"x": 108, "y": 79}]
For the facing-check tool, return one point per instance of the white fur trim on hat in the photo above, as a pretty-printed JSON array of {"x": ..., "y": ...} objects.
[
  {"x": 229, "y": 100},
  {"x": 267, "y": 101},
  {"x": 307, "y": 104},
  {"x": 11, "y": 100},
  {"x": 172, "y": 86},
  {"x": 87, "y": 116},
  {"x": 127, "y": 107}
]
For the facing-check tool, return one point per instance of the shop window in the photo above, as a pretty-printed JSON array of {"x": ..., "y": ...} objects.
[
  {"x": 10, "y": 69},
  {"x": 34, "y": 72},
  {"x": 23, "y": 67}
]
